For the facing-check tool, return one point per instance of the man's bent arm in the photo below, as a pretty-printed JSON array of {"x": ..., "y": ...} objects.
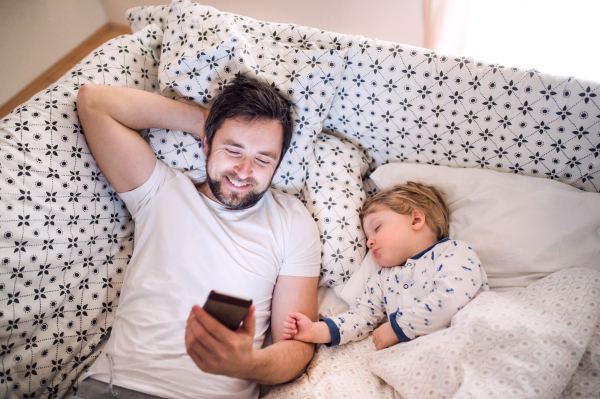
[
  {"x": 109, "y": 116},
  {"x": 218, "y": 350},
  {"x": 281, "y": 362},
  {"x": 287, "y": 359}
]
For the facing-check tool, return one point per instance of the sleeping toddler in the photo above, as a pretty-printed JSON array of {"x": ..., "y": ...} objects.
[{"x": 425, "y": 278}]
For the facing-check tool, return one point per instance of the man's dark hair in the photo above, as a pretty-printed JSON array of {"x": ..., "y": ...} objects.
[{"x": 250, "y": 100}]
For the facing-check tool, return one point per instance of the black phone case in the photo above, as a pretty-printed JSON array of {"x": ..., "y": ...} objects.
[{"x": 228, "y": 310}]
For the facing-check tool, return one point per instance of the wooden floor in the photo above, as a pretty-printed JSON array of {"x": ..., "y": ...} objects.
[{"x": 52, "y": 74}]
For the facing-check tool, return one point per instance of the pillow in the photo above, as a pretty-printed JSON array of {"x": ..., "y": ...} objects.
[
  {"x": 204, "y": 49},
  {"x": 409, "y": 104},
  {"x": 355, "y": 286},
  {"x": 335, "y": 195},
  {"x": 141, "y": 16},
  {"x": 66, "y": 235},
  {"x": 522, "y": 228}
]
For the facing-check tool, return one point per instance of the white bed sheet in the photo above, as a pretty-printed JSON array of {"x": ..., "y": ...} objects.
[{"x": 542, "y": 341}]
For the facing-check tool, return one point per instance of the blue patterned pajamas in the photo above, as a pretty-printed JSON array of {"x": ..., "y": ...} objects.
[{"x": 419, "y": 297}]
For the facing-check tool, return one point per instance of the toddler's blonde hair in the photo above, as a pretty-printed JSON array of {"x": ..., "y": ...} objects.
[{"x": 406, "y": 198}]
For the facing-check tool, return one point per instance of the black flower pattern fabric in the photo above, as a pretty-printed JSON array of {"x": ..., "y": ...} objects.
[
  {"x": 335, "y": 193},
  {"x": 204, "y": 49},
  {"x": 67, "y": 237},
  {"x": 408, "y": 104},
  {"x": 455, "y": 111}
]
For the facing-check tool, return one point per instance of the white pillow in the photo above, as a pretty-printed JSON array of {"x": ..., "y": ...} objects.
[
  {"x": 522, "y": 228},
  {"x": 355, "y": 286}
]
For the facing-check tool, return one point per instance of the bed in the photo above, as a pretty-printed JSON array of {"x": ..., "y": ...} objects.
[{"x": 516, "y": 153}]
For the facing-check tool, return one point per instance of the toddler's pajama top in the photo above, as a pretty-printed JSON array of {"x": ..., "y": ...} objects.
[{"x": 419, "y": 297}]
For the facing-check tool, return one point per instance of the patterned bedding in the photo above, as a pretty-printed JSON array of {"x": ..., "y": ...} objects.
[
  {"x": 67, "y": 238},
  {"x": 538, "y": 342}
]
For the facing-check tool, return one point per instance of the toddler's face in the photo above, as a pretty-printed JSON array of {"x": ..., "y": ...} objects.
[{"x": 390, "y": 237}]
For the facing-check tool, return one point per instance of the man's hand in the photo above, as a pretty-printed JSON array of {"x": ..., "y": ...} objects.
[
  {"x": 384, "y": 336},
  {"x": 216, "y": 349},
  {"x": 110, "y": 115}
]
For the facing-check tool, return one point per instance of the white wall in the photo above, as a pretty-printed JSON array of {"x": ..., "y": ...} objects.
[
  {"x": 394, "y": 20},
  {"x": 35, "y": 34},
  {"x": 561, "y": 39}
]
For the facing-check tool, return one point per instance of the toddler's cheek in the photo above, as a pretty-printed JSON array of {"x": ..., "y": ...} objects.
[{"x": 377, "y": 261}]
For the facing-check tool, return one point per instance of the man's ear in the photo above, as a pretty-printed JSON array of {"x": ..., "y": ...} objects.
[
  {"x": 205, "y": 145},
  {"x": 418, "y": 220}
]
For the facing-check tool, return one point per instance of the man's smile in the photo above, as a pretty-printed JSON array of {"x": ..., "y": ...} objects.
[{"x": 235, "y": 183}]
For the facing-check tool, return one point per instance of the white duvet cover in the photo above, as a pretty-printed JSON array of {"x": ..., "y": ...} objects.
[{"x": 539, "y": 342}]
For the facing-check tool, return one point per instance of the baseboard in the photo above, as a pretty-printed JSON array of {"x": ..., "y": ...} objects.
[{"x": 52, "y": 74}]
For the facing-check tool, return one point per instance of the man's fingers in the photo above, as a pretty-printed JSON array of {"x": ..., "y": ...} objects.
[
  {"x": 197, "y": 359},
  {"x": 203, "y": 132},
  {"x": 198, "y": 339},
  {"x": 217, "y": 330},
  {"x": 215, "y": 348},
  {"x": 201, "y": 344}
]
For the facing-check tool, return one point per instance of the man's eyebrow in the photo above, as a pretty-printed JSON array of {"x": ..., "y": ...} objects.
[
  {"x": 232, "y": 143},
  {"x": 268, "y": 154}
]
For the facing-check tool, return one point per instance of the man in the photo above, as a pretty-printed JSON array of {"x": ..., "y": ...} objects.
[{"x": 231, "y": 233}]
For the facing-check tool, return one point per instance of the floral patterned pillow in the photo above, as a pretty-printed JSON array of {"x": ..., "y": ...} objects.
[
  {"x": 66, "y": 235},
  {"x": 203, "y": 50},
  {"x": 334, "y": 197}
]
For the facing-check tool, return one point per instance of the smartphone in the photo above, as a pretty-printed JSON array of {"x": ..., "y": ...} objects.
[{"x": 228, "y": 310}]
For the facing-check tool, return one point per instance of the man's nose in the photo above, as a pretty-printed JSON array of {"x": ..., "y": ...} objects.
[{"x": 244, "y": 168}]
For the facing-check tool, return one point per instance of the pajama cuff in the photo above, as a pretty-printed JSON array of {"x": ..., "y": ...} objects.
[
  {"x": 334, "y": 331},
  {"x": 397, "y": 329}
]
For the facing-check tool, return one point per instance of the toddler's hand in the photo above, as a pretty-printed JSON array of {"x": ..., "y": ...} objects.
[
  {"x": 384, "y": 336},
  {"x": 299, "y": 327}
]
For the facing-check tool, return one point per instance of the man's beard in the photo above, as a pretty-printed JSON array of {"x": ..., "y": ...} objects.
[{"x": 236, "y": 202}]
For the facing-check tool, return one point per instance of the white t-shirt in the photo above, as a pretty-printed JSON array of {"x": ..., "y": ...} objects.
[{"x": 185, "y": 246}]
